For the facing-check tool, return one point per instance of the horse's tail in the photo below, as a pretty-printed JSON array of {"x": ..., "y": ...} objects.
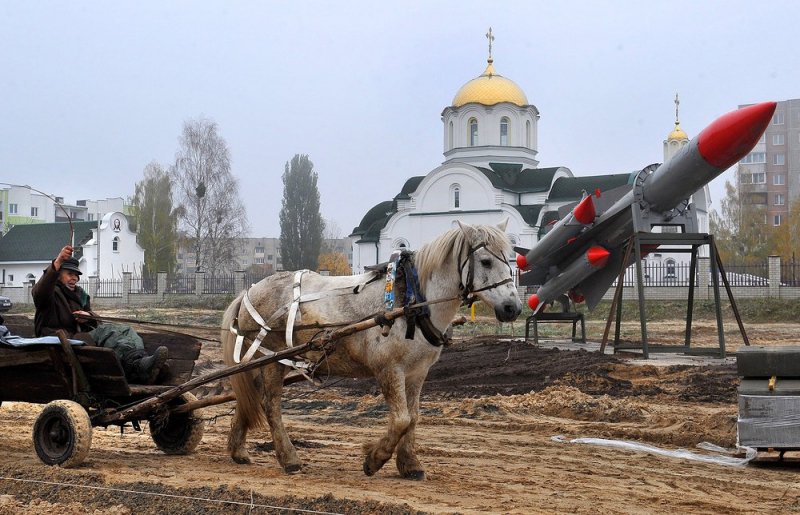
[{"x": 248, "y": 396}]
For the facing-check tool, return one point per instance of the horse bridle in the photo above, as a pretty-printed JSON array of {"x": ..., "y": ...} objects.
[{"x": 466, "y": 291}]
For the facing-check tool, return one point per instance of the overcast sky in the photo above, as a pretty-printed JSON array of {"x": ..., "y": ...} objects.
[{"x": 91, "y": 92}]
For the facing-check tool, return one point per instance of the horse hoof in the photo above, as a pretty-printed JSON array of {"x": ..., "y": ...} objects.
[
  {"x": 292, "y": 469},
  {"x": 241, "y": 460},
  {"x": 416, "y": 475}
]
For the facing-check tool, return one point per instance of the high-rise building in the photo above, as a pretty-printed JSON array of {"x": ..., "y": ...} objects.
[{"x": 769, "y": 176}]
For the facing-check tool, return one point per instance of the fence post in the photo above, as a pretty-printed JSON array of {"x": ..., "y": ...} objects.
[
  {"x": 126, "y": 287},
  {"x": 199, "y": 282},
  {"x": 161, "y": 285},
  {"x": 239, "y": 277},
  {"x": 774, "y": 274},
  {"x": 703, "y": 276}
]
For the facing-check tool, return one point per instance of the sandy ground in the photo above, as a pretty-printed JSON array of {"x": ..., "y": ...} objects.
[{"x": 491, "y": 408}]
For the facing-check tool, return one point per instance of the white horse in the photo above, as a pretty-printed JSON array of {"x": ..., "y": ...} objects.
[{"x": 464, "y": 262}]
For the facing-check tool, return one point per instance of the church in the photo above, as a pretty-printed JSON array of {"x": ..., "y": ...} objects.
[{"x": 490, "y": 173}]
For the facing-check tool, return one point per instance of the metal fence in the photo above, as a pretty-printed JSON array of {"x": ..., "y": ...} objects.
[
  {"x": 106, "y": 288},
  {"x": 790, "y": 273},
  {"x": 677, "y": 274},
  {"x": 144, "y": 284},
  {"x": 219, "y": 284},
  {"x": 181, "y": 284}
]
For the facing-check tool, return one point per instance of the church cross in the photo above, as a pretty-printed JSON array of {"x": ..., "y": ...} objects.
[
  {"x": 490, "y": 37},
  {"x": 677, "y": 103}
]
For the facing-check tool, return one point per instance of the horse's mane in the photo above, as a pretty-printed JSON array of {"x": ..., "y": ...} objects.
[{"x": 453, "y": 244}]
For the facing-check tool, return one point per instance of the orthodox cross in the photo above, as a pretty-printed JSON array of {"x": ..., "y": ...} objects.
[
  {"x": 677, "y": 103},
  {"x": 490, "y": 37}
]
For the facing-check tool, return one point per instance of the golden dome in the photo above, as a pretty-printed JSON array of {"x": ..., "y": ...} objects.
[
  {"x": 677, "y": 134},
  {"x": 490, "y": 89}
]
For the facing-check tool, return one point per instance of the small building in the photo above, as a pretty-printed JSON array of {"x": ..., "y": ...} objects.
[{"x": 104, "y": 249}]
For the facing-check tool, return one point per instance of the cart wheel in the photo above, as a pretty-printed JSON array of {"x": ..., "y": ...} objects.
[
  {"x": 180, "y": 433},
  {"x": 62, "y": 434}
]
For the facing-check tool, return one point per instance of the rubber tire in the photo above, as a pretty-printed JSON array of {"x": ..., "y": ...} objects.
[
  {"x": 183, "y": 431},
  {"x": 62, "y": 434}
]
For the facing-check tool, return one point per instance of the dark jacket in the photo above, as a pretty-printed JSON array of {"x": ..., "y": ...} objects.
[{"x": 55, "y": 303}]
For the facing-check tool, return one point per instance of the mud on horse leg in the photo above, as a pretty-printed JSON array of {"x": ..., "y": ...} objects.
[{"x": 377, "y": 453}]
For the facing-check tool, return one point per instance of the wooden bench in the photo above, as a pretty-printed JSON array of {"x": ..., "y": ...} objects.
[{"x": 554, "y": 318}]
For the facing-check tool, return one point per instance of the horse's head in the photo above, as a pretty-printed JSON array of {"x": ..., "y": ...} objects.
[{"x": 484, "y": 269}]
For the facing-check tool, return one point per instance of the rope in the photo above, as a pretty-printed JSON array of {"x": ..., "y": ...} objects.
[{"x": 251, "y": 504}]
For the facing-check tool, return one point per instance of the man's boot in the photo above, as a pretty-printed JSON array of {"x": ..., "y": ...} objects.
[{"x": 148, "y": 367}]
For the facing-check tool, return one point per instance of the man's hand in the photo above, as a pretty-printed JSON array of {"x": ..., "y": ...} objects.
[
  {"x": 81, "y": 316},
  {"x": 65, "y": 253}
]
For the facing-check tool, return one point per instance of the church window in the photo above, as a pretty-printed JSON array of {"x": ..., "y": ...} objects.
[
  {"x": 528, "y": 134},
  {"x": 504, "y": 131},
  {"x": 450, "y": 136},
  {"x": 115, "y": 244},
  {"x": 670, "y": 265},
  {"x": 455, "y": 196},
  {"x": 473, "y": 132},
  {"x": 400, "y": 243}
]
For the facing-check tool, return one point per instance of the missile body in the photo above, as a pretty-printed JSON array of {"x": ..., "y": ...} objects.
[
  {"x": 720, "y": 145},
  {"x": 592, "y": 260},
  {"x": 562, "y": 232}
]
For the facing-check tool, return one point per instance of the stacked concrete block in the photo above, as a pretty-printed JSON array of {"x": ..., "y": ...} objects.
[{"x": 769, "y": 397}]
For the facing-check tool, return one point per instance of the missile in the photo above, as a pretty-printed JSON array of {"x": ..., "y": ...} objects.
[
  {"x": 562, "y": 254},
  {"x": 561, "y": 234},
  {"x": 592, "y": 260}
]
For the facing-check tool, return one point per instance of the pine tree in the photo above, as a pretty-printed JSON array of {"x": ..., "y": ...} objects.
[{"x": 300, "y": 218}]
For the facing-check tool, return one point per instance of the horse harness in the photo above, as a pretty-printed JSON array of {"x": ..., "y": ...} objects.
[{"x": 402, "y": 284}]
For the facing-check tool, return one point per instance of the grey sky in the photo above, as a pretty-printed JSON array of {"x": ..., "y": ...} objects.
[{"x": 91, "y": 92}]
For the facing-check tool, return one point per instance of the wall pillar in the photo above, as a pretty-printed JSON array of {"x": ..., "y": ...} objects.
[
  {"x": 199, "y": 282},
  {"x": 239, "y": 277},
  {"x": 703, "y": 276},
  {"x": 774, "y": 274},
  {"x": 126, "y": 287},
  {"x": 161, "y": 285}
]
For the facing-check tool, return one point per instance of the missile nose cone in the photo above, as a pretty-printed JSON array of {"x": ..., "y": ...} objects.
[
  {"x": 521, "y": 261},
  {"x": 597, "y": 256},
  {"x": 584, "y": 212},
  {"x": 731, "y": 136},
  {"x": 533, "y": 302}
]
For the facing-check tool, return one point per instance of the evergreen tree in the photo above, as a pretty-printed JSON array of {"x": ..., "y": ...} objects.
[
  {"x": 300, "y": 218},
  {"x": 156, "y": 220}
]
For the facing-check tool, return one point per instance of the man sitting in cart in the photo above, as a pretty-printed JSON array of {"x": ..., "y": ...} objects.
[{"x": 62, "y": 304}]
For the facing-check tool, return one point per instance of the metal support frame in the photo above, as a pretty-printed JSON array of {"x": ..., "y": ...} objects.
[{"x": 695, "y": 240}]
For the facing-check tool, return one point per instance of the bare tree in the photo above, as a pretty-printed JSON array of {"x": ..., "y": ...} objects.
[{"x": 213, "y": 216}]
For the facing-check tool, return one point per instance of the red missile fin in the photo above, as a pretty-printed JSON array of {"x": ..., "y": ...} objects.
[
  {"x": 597, "y": 256},
  {"x": 521, "y": 261},
  {"x": 584, "y": 212},
  {"x": 731, "y": 136},
  {"x": 533, "y": 302}
]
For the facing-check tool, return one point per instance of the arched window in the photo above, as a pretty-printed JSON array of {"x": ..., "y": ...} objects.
[
  {"x": 473, "y": 132},
  {"x": 504, "y": 131},
  {"x": 400, "y": 244},
  {"x": 115, "y": 244},
  {"x": 670, "y": 265},
  {"x": 30, "y": 279},
  {"x": 528, "y": 134},
  {"x": 450, "y": 136},
  {"x": 455, "y": 196}
]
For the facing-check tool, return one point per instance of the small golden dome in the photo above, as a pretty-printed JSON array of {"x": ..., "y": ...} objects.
[
  {"x": 677, "y": 134},
  {"x": 490, "y": 89}
]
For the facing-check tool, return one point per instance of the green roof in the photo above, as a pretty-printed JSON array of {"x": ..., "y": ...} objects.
[
  {"x": 530, "y": 213},
  {"x": 409, "y": 187},
  {"x": 511, "y": 177},
  {"x": 370, "y": 227},
  {"x": 572, "y": 188},
  {"x": 42, "y": 242}
]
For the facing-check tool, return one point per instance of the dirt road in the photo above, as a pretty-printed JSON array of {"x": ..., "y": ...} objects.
[{"x": 491, "y": 408}]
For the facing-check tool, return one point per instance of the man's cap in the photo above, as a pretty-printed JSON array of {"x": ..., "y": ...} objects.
[{"x": 71, "y": 264}]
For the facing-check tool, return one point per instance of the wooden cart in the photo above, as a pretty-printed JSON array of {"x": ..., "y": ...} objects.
[{"x": 81, "y": 385}]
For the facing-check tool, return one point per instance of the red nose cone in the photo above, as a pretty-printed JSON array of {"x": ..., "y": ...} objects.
[
  {"x": 597, "y": 256},
  {"x": 584, "y": 212},
  {"x": 521, "y": 262},
  {"x": 731, "y": 136},
  {"x": 533, "y": 302},
  {"x": 576, "y": 297}
]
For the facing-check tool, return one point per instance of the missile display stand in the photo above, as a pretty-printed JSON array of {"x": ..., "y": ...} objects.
[{"x": 684, "y": 218}]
